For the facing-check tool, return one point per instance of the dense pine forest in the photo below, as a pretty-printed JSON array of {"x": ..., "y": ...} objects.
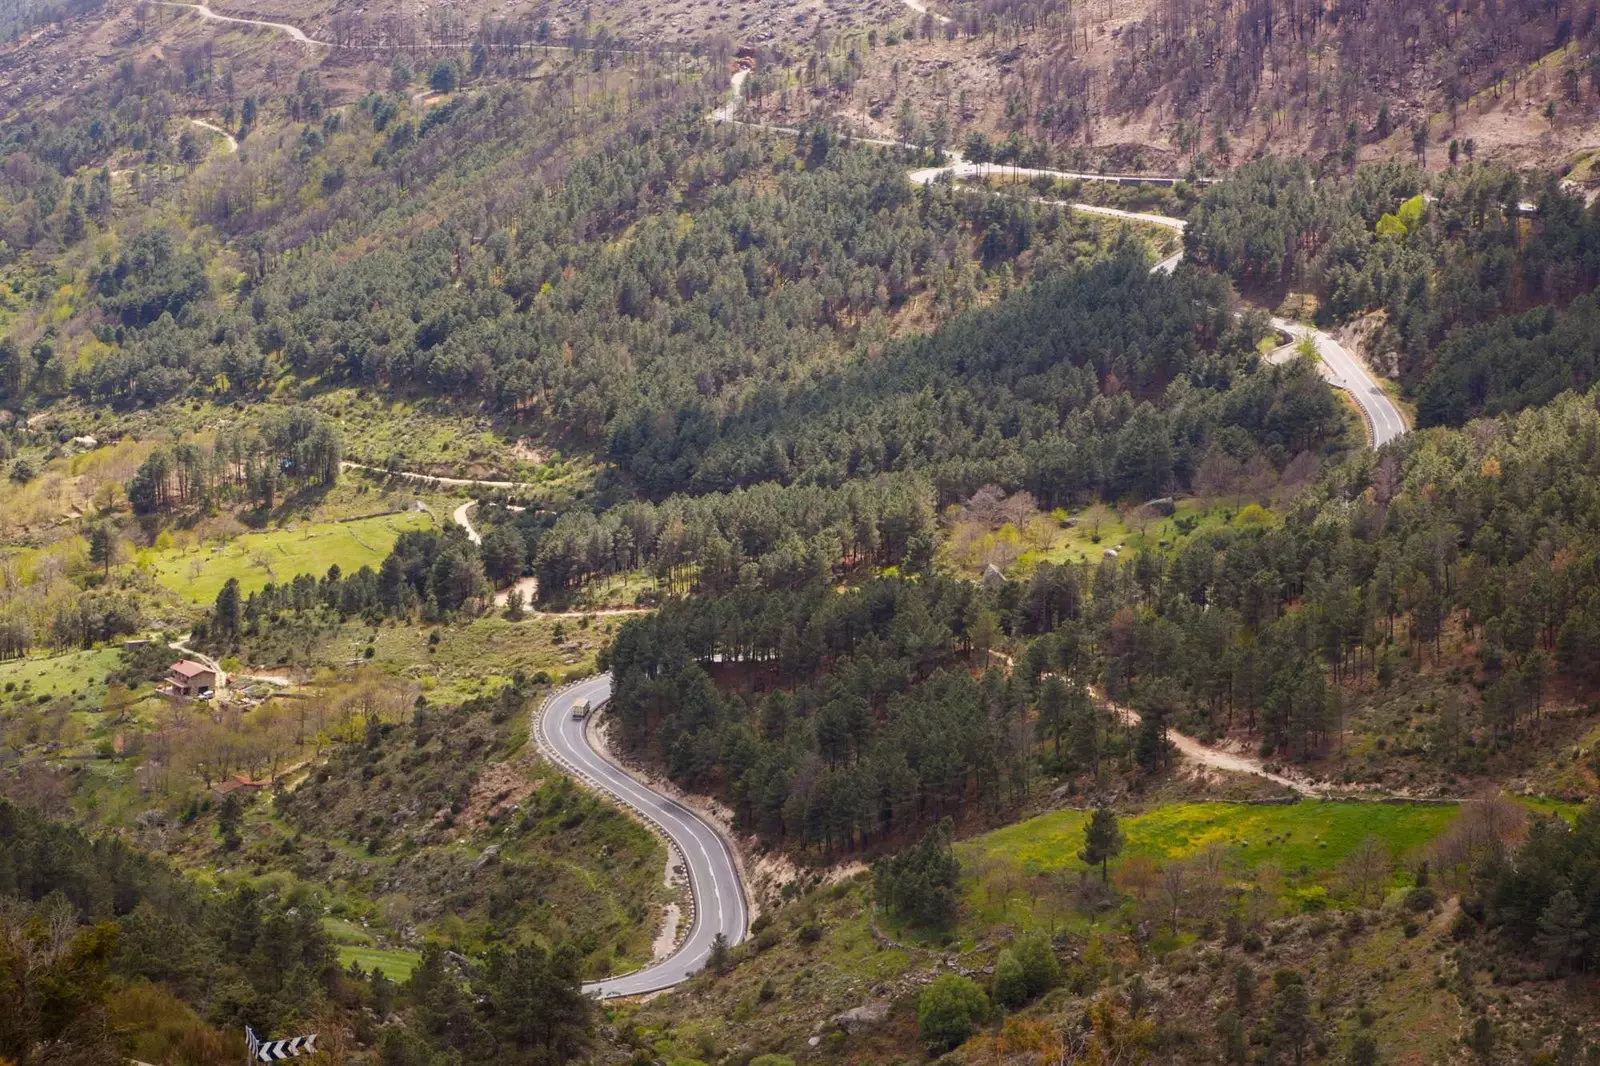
[
  {"x": 828, "y": 739},
  {"x": 1481, "y": 277},
  {"x": 1104, "y": 380}
]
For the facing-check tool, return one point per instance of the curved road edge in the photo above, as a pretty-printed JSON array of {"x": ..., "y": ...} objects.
[{"x": 716, "y": 888}]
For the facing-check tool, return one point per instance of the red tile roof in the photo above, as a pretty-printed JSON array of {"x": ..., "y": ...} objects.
[{"x": 189, "y": 668}]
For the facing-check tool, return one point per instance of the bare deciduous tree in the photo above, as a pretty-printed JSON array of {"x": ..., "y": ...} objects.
[{"x": 1366, "y": 868}]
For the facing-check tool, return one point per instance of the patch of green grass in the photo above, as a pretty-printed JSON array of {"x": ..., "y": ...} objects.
[
  {"x": 78, "y": 673},
  {"x": 1414, "y": 1018},
  {"x": 395, "y": 963},
  {"x": 276, "y": 556},
  {"x": 426, "y": 436},
  {"x": 1582, "y": 166},
  {"x": 1306, "y": 841},
  {"x": 1090, "y": 533},
  {"x": 1311, "y": 835},
  {"x": 805, "y": 979},
  {"x": 1567, "y": 809},
  {"x": 1128, "y": 532},
  {"x": 347, "y": 933}
]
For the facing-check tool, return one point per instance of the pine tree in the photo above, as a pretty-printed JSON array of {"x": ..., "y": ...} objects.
[
  {"x": 1482, "y": 1038},
  {"x": 1103, "y": 842},
  {"x": 1230, "y": 1031},
  {"x": 103, "y": 546},
  {"x": 1053, "y": 711},
  {"x": 919, "y": 884},
  {"x": 1244, "y": 988},
  {"x": 229, "y": 816},
  {"x": 1561, "y": 936},
  {"x": 1291, "y": 1013},
  {"x": 1150, "y": 748},
  {"x": 1085, "y": 737}
]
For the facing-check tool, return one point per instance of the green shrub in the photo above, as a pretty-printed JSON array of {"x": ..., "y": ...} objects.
[
  {"x": 1039, "y": 964},
  {"x": 1010, "y": 985},
  {"x": 1420, "y": 899},
  {"x": 949, "y": 1010}
]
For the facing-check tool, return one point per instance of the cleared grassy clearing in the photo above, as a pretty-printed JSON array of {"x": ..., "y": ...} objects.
[
  {"x": 421, "y": 436},
  {"x": 198, "y": 574},
  {"x": 615, "y": 590},
  {"x": 77, "y": 673},
  {"x": 396, "y": 964},
  {"x": 1128, "y": 531},
  {"x": 1303, "y": 843},
  {"x": 460, "y": 661},
  {"x": 1086, "y": 537},
  {"x": 347, "y": 933}
]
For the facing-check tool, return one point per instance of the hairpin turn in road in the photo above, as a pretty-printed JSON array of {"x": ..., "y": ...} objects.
[{"x": 714, "y": 883}]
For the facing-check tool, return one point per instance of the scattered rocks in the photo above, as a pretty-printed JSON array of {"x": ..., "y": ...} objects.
[{"x": 151, "y": 819}]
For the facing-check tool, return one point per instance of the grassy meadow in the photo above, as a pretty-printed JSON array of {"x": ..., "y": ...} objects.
[
  {"x": 80, "y": 674},
  {"x": 1017, "y": 548},
  {"x": 198, "y": 573},
  {"x": 396, "y": 963},
  {"x": 1301, "y": 844},
  {"x": 1129, "y": 530},
  {"x": 458, "y": 662}
]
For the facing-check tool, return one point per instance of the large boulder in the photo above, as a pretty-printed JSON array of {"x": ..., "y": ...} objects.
[{"x": 857, "y": 1019}]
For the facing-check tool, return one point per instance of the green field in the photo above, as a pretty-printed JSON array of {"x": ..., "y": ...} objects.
[
  {"x": 356, "y": 945},
  {"x": 396, "y": 964},
  {"x": 77, "y": 673},
  {"x": 198, "y": 574},
  {"x": 1129, "y": 532},
  {"x": 1085, "y": 537},
  {"x": 1304, "y": 841}
]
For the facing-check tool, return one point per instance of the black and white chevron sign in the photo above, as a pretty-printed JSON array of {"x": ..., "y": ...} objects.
[{"x": 277, "y": 1050}]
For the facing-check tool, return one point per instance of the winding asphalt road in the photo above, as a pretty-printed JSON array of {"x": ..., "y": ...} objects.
[
  {"x": 1344, "y": 371},
  {"x": 1340, "y": 368},
  {"x": 714, "y": 883}
]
